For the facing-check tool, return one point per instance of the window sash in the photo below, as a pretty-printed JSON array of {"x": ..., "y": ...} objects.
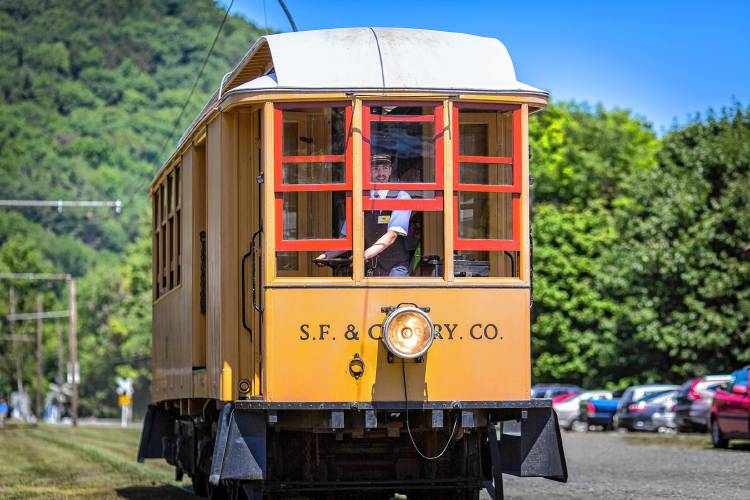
[
  {"x": 368, "y": 118},
  {"x": 515, "y": 160},
  {"x": 280, "y": 160},
  {"x": 513, "y": 244}
]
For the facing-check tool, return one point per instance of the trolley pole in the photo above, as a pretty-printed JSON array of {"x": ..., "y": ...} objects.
[
  {"x": 73, "y": 342},
  {"x": 39, "y": 359}
]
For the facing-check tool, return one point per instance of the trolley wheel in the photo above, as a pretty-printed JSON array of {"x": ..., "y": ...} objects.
[{"x": 717, "y": 439}]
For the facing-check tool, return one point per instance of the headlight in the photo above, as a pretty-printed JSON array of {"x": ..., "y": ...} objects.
[{"x": 408, "y": 332}]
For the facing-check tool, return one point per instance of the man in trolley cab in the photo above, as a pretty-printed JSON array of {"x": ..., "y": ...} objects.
[{"x": 386, "y": 252}]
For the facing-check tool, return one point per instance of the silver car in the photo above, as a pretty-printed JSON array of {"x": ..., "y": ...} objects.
[{"x": 569, "y": 410}]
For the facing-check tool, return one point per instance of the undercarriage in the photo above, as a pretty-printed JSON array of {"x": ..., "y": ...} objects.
[{"x": 254, "y": 449}]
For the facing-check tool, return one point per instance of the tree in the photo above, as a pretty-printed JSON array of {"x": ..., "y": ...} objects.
[{"x": 678, "y": 267}]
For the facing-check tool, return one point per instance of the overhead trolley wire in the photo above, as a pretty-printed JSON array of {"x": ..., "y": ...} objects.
[{"x": 288, "y": 15}]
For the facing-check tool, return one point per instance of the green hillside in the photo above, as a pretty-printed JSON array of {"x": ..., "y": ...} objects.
[
  {"x": 89, "y": 92},
  {"x": 638, "y": 270}
]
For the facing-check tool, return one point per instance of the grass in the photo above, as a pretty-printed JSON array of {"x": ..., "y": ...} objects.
[
  {"x": 668, "y": 439},
  {"x": 86, "y": 462}
]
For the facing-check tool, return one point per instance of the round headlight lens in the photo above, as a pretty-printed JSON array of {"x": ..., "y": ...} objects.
[{"x": 408, "y": 332}]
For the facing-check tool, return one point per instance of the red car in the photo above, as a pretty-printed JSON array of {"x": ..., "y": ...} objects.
[{"x": 730, "y": 414}]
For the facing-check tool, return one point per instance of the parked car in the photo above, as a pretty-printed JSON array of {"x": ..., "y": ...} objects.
[
  {"x": 599, "y": 412},
  {"x": 549, "y": 391},
  {"x": 623, "y": 417},
  {"x": 730, "y": 413},
  {"x": 569, "y": 410},
  {"x": 694, "y": 401},
  {"x": 652, "y": 412},
  {"x": 562, "y": 397}
]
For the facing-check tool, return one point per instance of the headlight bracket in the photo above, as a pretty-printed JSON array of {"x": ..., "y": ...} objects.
[{"x": 390, "y": 309}]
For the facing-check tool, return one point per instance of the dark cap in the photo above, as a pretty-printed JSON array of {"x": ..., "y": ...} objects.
[{"x": 380, "y": 158}]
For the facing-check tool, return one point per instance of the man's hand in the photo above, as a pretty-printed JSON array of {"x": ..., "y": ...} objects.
[{"x": 320, "y": 257}]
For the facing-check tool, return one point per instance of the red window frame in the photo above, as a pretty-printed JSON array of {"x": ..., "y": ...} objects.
[
  {"x": 516, "y": 160},
  {"x": 280, "y": 188},
  {"x": 434, "y": 204}
]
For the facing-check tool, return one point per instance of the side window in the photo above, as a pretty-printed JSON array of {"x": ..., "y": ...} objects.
[
  {"x": 312, "y": 183},
  {"x": 402, "y": 180},
  {"x": 167, "y": 232},
  {"x": 487, "y": 184}
]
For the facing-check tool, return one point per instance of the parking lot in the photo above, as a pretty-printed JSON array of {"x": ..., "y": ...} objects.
[{"x": 642, "y": 465}]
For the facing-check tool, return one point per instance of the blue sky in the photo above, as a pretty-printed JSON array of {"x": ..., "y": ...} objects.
[{"x": 665, "y": 60}]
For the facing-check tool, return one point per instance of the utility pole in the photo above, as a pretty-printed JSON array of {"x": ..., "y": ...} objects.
[
  {"x": 39, "y": 334},
  {"x": 60, "y": 378},
  {"x": 12, "y": 327},
  {"x": 72, "y": 315},
  {"x": 73, "y": 342}
]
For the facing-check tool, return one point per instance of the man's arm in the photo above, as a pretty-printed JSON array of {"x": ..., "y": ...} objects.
[{"x": 383, "y": 242}]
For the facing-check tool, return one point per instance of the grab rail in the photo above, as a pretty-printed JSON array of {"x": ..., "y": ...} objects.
[
  {"x": 253, "y": 250},
  {"x": 251, "y": 254},
  {"x": 244, "y": 305}
]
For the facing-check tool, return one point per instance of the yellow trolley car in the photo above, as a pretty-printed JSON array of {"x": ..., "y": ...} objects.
[{"x": 342, "y": 274}]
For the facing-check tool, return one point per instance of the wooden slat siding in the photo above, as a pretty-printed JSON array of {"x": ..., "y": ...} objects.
[
  {"x": 524, "y": 265},
  {"x": 269, "y": 249},
  {"x": 256, "y": 153},
  {"x": 214, "y": 247},
  {"x": 197, "y": 211},
  {"x": 194, "y": 201},
  {"x": 184, "y": 285},
  {"x": 230, "y": 259},
  {"x": 246, "y": 217}
]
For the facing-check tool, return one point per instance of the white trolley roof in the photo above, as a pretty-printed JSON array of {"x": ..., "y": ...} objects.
[
  {"x": 370, "y": 59},
  {"x": 383, "y": 58}
]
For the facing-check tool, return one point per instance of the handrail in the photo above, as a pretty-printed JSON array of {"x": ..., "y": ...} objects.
[
  {"x": 253, "y": 251},
  {"x": 244, "y": 305}
]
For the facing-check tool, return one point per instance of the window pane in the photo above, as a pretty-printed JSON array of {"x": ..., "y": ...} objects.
[
  {"x": 417, "y": 253},
  {"x": 496, "y": 174},
  {"x": 301, "y": 264},
  {"x": 485, "y": 132},
  {"x": 314, "y": 215},
  {"x": 471, "y": 263},
  {"x": 313, "y": 173},
  {"x": 485, "y": 215},
  {"x": 314, "y": 131},
  {"x": 402, "y": 152}
]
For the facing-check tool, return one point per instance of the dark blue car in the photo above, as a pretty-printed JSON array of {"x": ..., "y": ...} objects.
[{"x": 600, "y": 412}]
